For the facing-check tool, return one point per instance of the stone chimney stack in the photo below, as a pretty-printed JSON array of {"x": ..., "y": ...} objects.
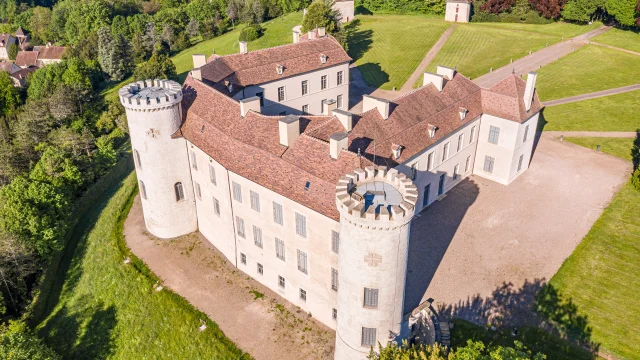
[
  {"x": 445, "y": 71},
  {"x": 312, "y": 34},
  {"x": 529, "y": 89},
  {"x": 345, "y": 117},
  {"x": 338, "y": 142},
  {"x": 252, "y": 103},
  {"x": 322, "y": 32},
  {"x": 289, "y": 129},
  {"x": 435, "y": 79},
  {"x": 243, "y": 47},
  {"x": 296, "y": 34},
  {"x": 383, "y": 105},
  {"x": 196, "y": 74},
  {"x": 198, "y": 60},
  {"x": 329, "y": 106}
]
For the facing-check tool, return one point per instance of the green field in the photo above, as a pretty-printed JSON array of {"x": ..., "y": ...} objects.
[
  {"x": 588, "y": 69},
  {"x": 388, "y": 48},
  {"x": 625, "y": 39},
  {"x": 473, "y": 49},
  {"x": 556, "y": 28},
  {"x": 619, "y": 112},
  {"x": 620, "y": 147},
  {"x": 106, "y": 309}
]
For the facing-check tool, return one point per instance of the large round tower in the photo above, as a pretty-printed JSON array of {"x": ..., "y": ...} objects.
[
  {"x": 376, "y": 207},
  {"x": 162, "y": 165}
]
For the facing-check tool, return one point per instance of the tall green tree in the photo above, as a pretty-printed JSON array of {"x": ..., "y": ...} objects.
[
  {"x": 581, "y": 10},
  {"x": 18, "y": 342},
  {"x": 9, "y": 97},
  {"x": 472, "y": 351},
  {"x": 114, "y": 55},
  {"x": 624, "y": 11},
  {"x": 159, "y": 66},
  {"x": 321, "y": 14}
]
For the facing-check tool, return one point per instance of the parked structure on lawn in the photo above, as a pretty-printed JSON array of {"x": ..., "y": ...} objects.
[
  {"x": 316, "y": 202},
  {"x": 458, "y": 11}
]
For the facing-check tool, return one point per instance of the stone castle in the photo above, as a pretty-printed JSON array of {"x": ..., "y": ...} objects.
[{"x": 258, "y": 152}]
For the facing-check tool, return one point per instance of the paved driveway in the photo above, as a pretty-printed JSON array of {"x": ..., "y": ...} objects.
[{"x": 484, "y": 234}]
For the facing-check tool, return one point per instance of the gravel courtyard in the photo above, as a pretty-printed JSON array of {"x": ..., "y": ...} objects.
[{"x": 483, "y": 235}]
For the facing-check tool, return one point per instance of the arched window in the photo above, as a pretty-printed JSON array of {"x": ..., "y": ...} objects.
[
  {"x": 136, "y": 154},
  {"x": 179, "y": 191},
  {"x": 143, "y": 190}
]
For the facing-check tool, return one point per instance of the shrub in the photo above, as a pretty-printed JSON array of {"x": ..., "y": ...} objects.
[
  {"x": 13, "y": 51},
  {"x": 509, "y": 18},
  {"x": 635, "y": 179},
  {"x": 483, "y": 16},
  {"x": 533, "y": 18},
  {"x": 251, "y": 32},
  {"x": 18, "y": 342}
]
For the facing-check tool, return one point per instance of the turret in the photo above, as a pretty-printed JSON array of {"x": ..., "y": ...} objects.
[
  {"x": 376, "y": 206},
  {"x": 162, "y": 165}
]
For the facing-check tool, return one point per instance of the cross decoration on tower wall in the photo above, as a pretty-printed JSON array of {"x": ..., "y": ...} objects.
[
  {"x": 153, "y": 132},
  {"x": 373, "y": 259}
]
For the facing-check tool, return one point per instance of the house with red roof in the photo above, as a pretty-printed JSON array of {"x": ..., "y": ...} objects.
[{"x": 5, "y": 41}]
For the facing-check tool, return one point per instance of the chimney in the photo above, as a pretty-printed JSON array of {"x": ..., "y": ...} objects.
[
  {"x": 528, "y": 91},
  {"x": 370, "y": 102},
  {"x": 445, "y": 71},
  {"x": 243, "y": 47},
  {"x": 252, "y": 103},
  {"x": 345, "y": 118},
  {"x": 329, "y": 106},
  {"x": 198, "y": 60},
  {"x": 296, "y": 34},
  {"x": 435, "y": 79},
  {"x": 337, "y": 142},
  {"x": 289, "y": 128},
  {"x": 322, "y": 32},
  {"x": 196, "y": 74},
  {"x": 304, "y": 12},
  {"x": 312, "y": 35}
]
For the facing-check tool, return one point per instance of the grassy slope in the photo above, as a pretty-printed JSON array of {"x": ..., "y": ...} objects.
[
  {"x": 108, "y": 309},
  {"x": 388, "y": 48},
  {"x": 473, "y": 49},
  {"x": 625, "y": 39},
  {"x": 619, "y": 147},
  {"x": 557, "y": 28},
  {"x": 610, "y": 113},
  {"x": 590, "y": 68}
]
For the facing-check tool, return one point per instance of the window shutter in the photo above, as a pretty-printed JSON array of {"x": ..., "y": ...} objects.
[
  {"x": 277, "y": 213},
  {"x": 335, "y": 241},
  {"x": 212, "y": 174},
  {"x": 255, "y": 201},
  {"x": 257, "y": 236},
  {"x": 301, "y": 225}
]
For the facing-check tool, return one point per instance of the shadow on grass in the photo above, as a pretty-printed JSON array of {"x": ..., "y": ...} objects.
[
  {"x": 535, "y": 304},
  {"x": 360, "y": 41},
  {"x": 373, "y": 74}
]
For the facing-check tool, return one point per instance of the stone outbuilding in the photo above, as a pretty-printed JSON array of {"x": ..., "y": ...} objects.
[
  {"x": 346, "y": 9},
  {"x": 458, "y": 11}
]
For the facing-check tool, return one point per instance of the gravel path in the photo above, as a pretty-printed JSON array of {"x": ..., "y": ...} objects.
[
  {"x": 592, "y": 95},
  {"x": 431, "y": 54},
  {"x": 615, "y": 48}
]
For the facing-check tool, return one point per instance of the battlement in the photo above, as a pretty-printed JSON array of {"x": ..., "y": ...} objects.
[
  {"x": 150, "y": 95},
  {"x": 376, "y": 197}
]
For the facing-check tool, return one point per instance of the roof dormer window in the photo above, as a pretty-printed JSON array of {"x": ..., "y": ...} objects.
[
  {"x": 230, "y": 87},
  {"x": 463, "y": 113},
  {"x": 396, "y": 150},
  {"x": 323, "y": 58},
  {"x": 280, "y": 69},
  {"x": 432, "y": 130}
]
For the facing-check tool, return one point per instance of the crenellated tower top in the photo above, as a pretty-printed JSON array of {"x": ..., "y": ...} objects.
[{"x": 150, "y": 95}]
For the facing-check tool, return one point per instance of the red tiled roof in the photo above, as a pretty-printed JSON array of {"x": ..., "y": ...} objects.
[
  {"x": 49, "y": 52},
  {"x": 22, "y": 73},
  {"x": 506, "y": 100},
  {"x": 260, "y": 66},
  {"x": 27, "y": 58},
  {"x": 20, "y": 32}
]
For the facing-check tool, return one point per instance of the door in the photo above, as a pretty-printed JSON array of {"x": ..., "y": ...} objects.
[
  {"x": 425, "y": 199},
  {"x": 441, "y": 185}
]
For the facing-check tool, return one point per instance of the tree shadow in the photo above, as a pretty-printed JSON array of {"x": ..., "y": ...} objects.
[
  {"x": 536, "y": 303},
  {"x": 373, "y": 74},
  {"x": 361, "y": 10},
  {"x": 360, "y": 41}
]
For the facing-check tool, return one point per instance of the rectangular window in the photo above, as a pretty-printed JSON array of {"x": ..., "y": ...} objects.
[
  {"x": 413, "y": 172},
  {"x": 281, "y": 281},
  {"x": 368, "y": 336},
  {"x": 194, "y": 160},
  {"x": 212, "y": 174},
  {"x": 460, "y": 141},
  {"x": 282, "y": 113},
  {"x": 520, "y": 162},
  {"x": 334, "y": 314},
  {"x": 339, "y": 101},
  {"x": 322, "y": 105},
  {"x": 456, "y": 170},
  {"x": 302, "y": 261},
  {"x": 260, "y": 269},
  {"x": 257, "y": 236},
  {"x": 138, "y": 162},
  {"x": 467, "y": 164},
  {"x": 526, "y": 134},
  {"x": 445, "y": 152},
  {"x": 255, "y": 200},
  {"x": 370, "y": 297},
  {"x": 243, "y": 258},
  {"x": 240, "y": 226},
  {"x": 488, "y": 164},
  {"x": 305, "y": 87},
  {"x": 303, "y": 295},
  {"x": 198, "y": 191},
  {"x": 430, "y": 161},
  {"x": 237, "y": 192},
  {"x": 335, "y": 241},
  {"x": 281, "y": 94},
  {"x": 441, "y": 185},
  {"x": 143, "y": 190},
  {"x": 473, "y": 134},
  {"x": 261, "y": 96},
  {"x": 301, "y": 225},
  {"x": 179, "y": 191},
  {"x": 305, "y": 109},
  {"x": 339, "y": 78},
  {"x": 323, "y": 82},
  {"x": 280, "y": 249},
  {"x": 425, "y": 197},
  {"x": 494, "y": 134},
  {"x": 216, "y": 206},
  {"x": 277, "y": 213},
  {"x": 334, "y": 279}
]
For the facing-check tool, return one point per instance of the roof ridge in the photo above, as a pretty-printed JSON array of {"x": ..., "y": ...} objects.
[{"x": 270, "y": 48}]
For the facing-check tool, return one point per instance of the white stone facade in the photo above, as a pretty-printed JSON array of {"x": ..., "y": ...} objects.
[
  {"x": 346, "y": 9},
  {"x": 457, "y": 11}
]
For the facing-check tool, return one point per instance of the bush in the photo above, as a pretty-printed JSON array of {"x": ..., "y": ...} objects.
[
  {"x": 18, "y": 342},
  {"x": 13, "y": 51},
  {"x": 534, "y": 18},
  {"x": 635, "y": 179},
  {"x": 251, "y": 32},
  {"x": 509, "y": 18},
  {"x": 483, "y": 16}
]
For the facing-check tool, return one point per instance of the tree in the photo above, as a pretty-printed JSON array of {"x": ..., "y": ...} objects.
[
  {"x": 57, "y": 168},
  {"x": 234, "y": 8},
  {"x": 472, "y": 351},
  {"x": 18, "y": 342},
  {"x": 497, "y": 6},
  {"x": 9, "y": 97},
  {"x": 159, "y": 66},
  {"x": 581, "y": 10},
  {"x": 192, "y": 27},
  {"x": 13, "y": 51},
  {"x": 114, "y": 55},
  {"x": 550, "y": 9},
  {"x": 623, "y": 10},
  {"x": 321, "y": 14},
  {"x": 40, "y": 22},
  {"x": 17, "y": 265}
]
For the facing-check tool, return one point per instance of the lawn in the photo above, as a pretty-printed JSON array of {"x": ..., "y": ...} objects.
[
  {"x": 588, "y": 69},
  {"x": 626, "y": 39},
  {"x": 610, "y": 113},
  {"x": 388, "y": 48},
  {"x": 474, "y": 49},
  {"x": 620, "y": 147},
  {"x": 559, "y": 28},
  {"x": 108, "y": 309}
]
